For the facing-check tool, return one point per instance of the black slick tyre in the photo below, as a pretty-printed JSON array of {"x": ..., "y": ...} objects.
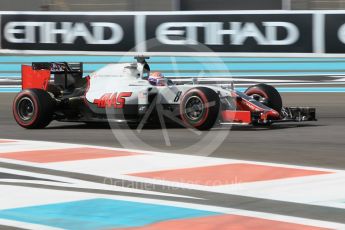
[
  {"x": 33, "y": 108},
  {"x": 199, "y": 108},
  {"x": 267, "y": 95}
]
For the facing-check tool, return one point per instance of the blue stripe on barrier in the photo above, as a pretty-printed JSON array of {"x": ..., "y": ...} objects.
[
  {"x": 253, "y": 66},
  {"x": 17, "y": 67},
  {"x": 9, "y": 75},
  {"x": 305, "y": 66},
  {"x": 197, "y": 67},
  {"x": 100, "y": 214},
  {"x": 312, "y": 89},
  {"x": 297, "y": 67},
  {"x": 280, "y": 89},
  {"x": 306, "y": 89},
  {"x": 253, "y": 74},
  {"x": 10, "y": 90},
  {"x": 81, "y": 58},
  {"x": 225, "y": 74}
]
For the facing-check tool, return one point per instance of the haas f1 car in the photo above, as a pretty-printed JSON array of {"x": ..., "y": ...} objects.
[{"x": 123, "y": 92}]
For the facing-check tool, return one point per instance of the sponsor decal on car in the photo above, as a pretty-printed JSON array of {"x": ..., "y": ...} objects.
[{"x": 112, "y": 100}]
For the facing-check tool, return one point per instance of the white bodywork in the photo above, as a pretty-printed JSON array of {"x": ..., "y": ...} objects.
[
  {"x": 129, "y": 77},
  {"x": 116, "y": 78}
]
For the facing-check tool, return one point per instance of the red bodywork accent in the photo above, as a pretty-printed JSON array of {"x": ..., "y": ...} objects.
[
  {"x": 243, "y": 111},
  {"x": 237, "y": 116},
  {"x": 34, "y": 79},
  {"x": 270, "y": 115},
  {"x": 121, "y": 101},
  {"x": 112, "y": 100}
]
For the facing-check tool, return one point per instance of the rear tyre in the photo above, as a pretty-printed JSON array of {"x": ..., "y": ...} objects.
[
  {"x": 33, "y": 108},
  {"x": 199, "y": 108},
  {"x": 267, "y": 95}
]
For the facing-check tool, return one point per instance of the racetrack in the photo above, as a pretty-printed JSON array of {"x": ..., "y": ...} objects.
[{"x": 318, "y": 143}]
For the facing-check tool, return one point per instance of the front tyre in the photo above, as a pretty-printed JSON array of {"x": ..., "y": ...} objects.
[
  {"x": 33, "y": 108},
  {"x": 267, "y": 95},
  {"x": 199, "y": 108}
]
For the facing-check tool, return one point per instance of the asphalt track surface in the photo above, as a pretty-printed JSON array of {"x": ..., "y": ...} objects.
[{"x": 319, "y": 144}]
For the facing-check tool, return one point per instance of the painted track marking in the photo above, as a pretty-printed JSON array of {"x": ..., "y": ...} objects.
[{"x": 132, "y": 164}]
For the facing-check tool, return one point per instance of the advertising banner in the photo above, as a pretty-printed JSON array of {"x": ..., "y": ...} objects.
[
  {"x": 232, "y": 33},
  {"x": 68, "y": 32},
  {"x": 177, "y": 33}
]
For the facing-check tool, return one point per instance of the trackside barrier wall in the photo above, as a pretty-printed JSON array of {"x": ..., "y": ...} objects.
[
  {"x": 228, "y": 33},
  {"x": 248, "y": 43}
]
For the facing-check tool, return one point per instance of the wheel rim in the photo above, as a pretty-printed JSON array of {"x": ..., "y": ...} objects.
[
  {"x": 25, "y": 108},
  {"x": 194, "y": 108}
]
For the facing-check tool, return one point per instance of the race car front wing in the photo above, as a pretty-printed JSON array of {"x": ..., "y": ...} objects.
[
  {"x": 298, "y": 114},
  {"x": 288, "y": 114}
]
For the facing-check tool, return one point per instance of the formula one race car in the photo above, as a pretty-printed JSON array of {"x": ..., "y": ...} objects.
[{"x": 124, "y": 92}]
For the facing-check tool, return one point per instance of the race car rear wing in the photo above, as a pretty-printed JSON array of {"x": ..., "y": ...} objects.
[
  {"x": 59, "y": 67},
  {"x": 38, "y": 75}
]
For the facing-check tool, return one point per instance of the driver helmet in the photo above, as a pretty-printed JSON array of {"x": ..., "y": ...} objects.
[{"x": 156, "y": 78}]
